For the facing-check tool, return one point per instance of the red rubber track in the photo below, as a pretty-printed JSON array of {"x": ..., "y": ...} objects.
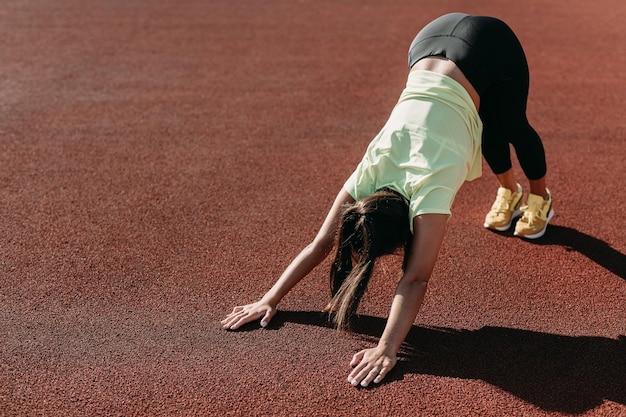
[{"x": 162, "y": 161}]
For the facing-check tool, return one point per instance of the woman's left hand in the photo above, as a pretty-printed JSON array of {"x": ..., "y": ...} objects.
[{"x": 371, "y": 365}]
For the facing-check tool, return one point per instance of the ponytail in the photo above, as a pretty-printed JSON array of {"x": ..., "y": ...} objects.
[{"x": 369, "y": 228}]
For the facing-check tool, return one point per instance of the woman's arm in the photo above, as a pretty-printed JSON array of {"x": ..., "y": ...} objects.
[
  {"x": 311, "y": 256},
  {"x": 373, "y": 364}
]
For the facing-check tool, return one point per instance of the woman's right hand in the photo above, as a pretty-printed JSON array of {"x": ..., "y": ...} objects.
[{"x": 245, "y": 314}]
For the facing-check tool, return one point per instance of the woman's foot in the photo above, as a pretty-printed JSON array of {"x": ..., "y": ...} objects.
[
  {"x": 505, "y": 208},
  {"x": 536, "y": 214}
]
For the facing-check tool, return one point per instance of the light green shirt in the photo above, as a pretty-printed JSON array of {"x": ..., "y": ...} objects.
[{"x": 429, "y": 146}]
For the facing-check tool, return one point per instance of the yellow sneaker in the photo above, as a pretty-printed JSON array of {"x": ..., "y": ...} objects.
[
  {"x": 505, "y": 208},
  {"x": 537, "y": 213}
]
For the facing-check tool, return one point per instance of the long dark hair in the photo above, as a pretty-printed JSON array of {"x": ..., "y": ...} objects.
[{"x": 371, "y": 227}]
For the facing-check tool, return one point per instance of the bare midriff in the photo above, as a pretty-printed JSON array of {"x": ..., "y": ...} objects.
[{"x": 444, "y": 66}]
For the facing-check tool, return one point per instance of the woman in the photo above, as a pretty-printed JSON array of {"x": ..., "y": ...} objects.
[{"x": 468, "y": 81}]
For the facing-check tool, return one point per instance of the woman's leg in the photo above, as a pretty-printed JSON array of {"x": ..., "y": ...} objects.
[
  {"x": 496, "y": 151},
  {"x": 503, "y": 110},
  {"x": 507, "y": 179},
  {"x": 507, "y": 108},
  {"x": 531, "y": 156},
  {"x": 538, "y": 187}
]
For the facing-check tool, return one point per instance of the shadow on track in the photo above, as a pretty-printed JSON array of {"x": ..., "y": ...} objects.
[
  {"x": 554, "y": 372},
  {"x": 593, "y": 248}
]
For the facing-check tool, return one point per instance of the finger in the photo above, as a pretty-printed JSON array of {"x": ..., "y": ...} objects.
[
  {"x": 382, "y": 374},
  {"x": 388, "y": 365},
  {"x": 245, "y": 318},
  {"x": 227, "y": 319},
  {"x": 228, "y": 322},
  {"x": 370, "y": 376},
  {"x": 232, "y": 317},
  {"x": 267, "y": 317},
  {"x": 236, "y": 310},
  {"x": 358, "y": 365},
  {"x": 358, "y": 374},
  {"x": 357, "y": 358},
  {"x": 365, "y": 376}
]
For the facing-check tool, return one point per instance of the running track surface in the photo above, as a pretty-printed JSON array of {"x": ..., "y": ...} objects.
[{"x": 163, "y": 161}]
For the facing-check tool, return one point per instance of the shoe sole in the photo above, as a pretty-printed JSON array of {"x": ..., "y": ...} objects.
[
  {"x": 506, "y": 227},
  {"x": 541, "y": 232}
]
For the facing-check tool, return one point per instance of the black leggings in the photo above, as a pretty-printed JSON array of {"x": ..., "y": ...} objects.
[{"x": 489, "y": 54}]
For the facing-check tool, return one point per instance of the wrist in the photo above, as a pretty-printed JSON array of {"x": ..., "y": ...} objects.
[
  {"x": 388, "y": 347},
  {"x": 272, "y": 301}
]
